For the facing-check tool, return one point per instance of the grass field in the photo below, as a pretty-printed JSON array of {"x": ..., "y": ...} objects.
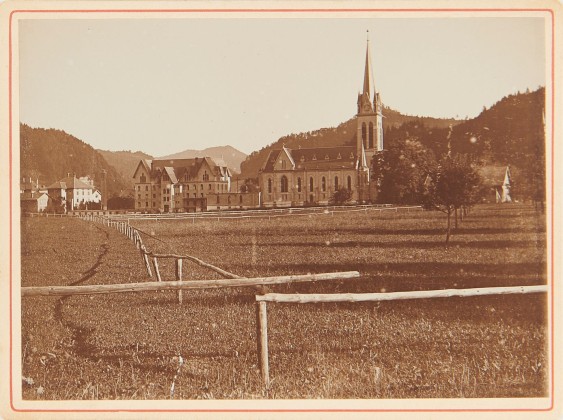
[{"x": 127, "y": 346}]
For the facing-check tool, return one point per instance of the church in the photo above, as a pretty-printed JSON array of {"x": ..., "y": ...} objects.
[{"x": 310, "y": 176}]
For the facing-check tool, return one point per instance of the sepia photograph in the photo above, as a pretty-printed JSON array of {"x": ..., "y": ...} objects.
[{"x": 285, "y": 210}]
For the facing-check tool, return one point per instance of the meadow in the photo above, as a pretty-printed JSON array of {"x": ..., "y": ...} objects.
[{"x": 135, "y": 345}]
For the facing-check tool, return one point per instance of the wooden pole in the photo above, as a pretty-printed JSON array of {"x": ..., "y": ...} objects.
[
  {"x": 179, "y": 277},
  {"x": 263, "y": 340},
  {"x": 146, "y": 259},
  {"x": 199, "y": 262},
  {"x": 177, "y": 285},
  {"x": 156, "y": 270},
  {"x": 372, "y": 297}
]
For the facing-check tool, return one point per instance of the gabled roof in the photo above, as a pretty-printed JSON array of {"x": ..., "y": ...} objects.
[
  {"x": 177, "y": 169},
  {"x": 68, "y": 183},
  {"x": 316, "y": 158},
  {"x": 288, "y": 153},
  {"x": 144, "y": 163},
  {"x": 75, "y": 183},
  {"x": 170, "y": 172},
  {"x": 58, "y": 185}
]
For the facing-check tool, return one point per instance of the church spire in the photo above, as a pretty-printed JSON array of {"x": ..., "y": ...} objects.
[{"x": 368, "y": 72}]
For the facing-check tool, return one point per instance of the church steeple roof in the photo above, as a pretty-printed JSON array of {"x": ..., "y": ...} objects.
[{"x": 369, "y": 86}]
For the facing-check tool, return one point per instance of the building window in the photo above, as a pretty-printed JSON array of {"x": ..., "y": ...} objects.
[
  {"x": 269, "y": 185},
  {"x": 284, "y": 184},
  {"x": 283, "y": 164},
  {"x": 299, "y": 184},
  {"x": 153, "y": 204},
  {"x": 349, "y": 182},
  {"x": 209, "y": 186},
  {"x": 146, "y": 187},
  {"x": 240, "y": 199},
  {"x": 217, "y": 198},
  {"x": 201, "y": 187},
  {"x": 335, "y": 183},
  {"x": 146, "y": 204},
  {"x": 154, "y": 196},
  {"x": 323, "y": 184},
  {"x": 311, "y": 184},
  {"x": 206, "y": 176},
  {"x": 143, "y": 178},
  {"x": 371, "y": 135}
]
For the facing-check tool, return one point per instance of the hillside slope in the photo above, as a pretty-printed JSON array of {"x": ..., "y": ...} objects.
[
  {"x": 49, "y": 155},
  {"x": 124, "y": 161}
]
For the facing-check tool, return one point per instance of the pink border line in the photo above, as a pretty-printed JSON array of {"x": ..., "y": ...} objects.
[{"x": 296, "y": 11}]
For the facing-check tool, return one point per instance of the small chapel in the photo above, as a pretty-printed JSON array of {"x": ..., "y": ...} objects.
[{"x": 310, "y": 176}]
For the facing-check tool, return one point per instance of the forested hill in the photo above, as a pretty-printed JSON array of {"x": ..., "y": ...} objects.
[
  {"x": 124, "y": 161},
  {"x": 49, "y": 155},
  {"x": 511, "y": 132},
  {"x": 344, "y": 134}
]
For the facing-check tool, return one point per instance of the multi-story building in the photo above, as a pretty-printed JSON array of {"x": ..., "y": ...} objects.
[
  {"x": 311, "y": 175},
  {"x": 178, "y": 185},
  {"x": 71, "y": 193}
]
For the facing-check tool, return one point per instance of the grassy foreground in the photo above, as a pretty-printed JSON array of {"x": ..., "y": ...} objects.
[{"x": 128, "y": 346}]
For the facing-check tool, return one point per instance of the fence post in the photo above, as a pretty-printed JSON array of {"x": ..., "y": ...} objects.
[
  {"x": 155, "y": 266},
  {"x": 179, "y": 277},
  {"x": 262, "y": 341},
  {"x": 146, "y": 259}
]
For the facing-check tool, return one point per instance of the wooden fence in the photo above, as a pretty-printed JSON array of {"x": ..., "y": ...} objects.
[
  {"x": 232, "y": 280},
  {"x": 262, "y": 301}
]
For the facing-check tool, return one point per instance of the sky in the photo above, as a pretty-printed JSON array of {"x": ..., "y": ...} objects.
[{"x": 165, "y": 85}]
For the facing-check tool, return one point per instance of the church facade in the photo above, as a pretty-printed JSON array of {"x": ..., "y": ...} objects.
[{"x": 310, "y": 176}]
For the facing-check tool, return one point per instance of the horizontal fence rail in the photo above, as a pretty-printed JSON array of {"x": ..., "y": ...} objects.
[
  {"x": 262, "y": 300},
  {"x": 270, "y": 213},
  {"x": 181, "y": 285},
  {"x": 375, "y": 297}
]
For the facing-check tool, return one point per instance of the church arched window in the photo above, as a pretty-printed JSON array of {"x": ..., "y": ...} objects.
[
  {"x": 311, "y": 184},
  {"x": 284, "y": 184},
  {"x": 335, "y": 183},
  {"x": 323, "y": 183},
  {"x": 364, "y": 134},
  {"x": 349, "y": 182},
  {"x": 370, "y": 135},
  {"x": 269, "y": 185},
  {"x": 299, "y": 184}
]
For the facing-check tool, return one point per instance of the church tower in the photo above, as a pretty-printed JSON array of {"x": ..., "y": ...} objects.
[{"x": 369, "y": 118}]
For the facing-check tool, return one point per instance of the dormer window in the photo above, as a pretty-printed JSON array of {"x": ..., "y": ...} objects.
[
  {"x": 314, "y": 157},
  {"x": 302, "y": 158},
  {"x": 206, "y": 176},
  {"x": 326, "y": 157},
  {"x": 143, "y": 178},
  {"x": 339, "y": 157}
]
